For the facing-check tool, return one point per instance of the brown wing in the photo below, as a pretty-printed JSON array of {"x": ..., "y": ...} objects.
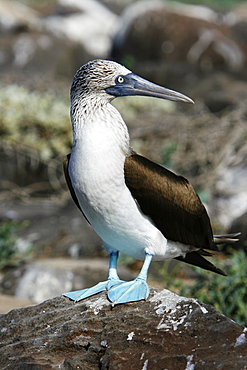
[
  {"x": 70, "y": 186},
  {"x": 170, "y": 201},
  {"x": 174, "y": 207}
]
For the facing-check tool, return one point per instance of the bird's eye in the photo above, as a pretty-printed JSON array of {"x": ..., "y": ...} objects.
[{"x": 120, "y": 79}]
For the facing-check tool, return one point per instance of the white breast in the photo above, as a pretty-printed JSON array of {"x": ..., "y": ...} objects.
[{"x": 97, "y": 173}]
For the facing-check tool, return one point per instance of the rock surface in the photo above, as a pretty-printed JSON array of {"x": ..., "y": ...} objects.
[
  {"x": 43, "y": 48},
  {"x": 164, "y": 332}
]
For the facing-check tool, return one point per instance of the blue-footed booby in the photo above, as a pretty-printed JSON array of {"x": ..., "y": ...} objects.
[{"x": 136, "y": 206}]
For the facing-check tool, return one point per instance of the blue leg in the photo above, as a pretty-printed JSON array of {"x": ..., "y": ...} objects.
[
  {"x": 113, "y": 279},
  {"x": 131, "y": 291}
]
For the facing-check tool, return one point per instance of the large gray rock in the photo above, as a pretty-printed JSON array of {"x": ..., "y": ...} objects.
[
  {"x": 165, "y": 332},
  {"x": 175, "y": 32},
  {"x": 90, "y": 24}
]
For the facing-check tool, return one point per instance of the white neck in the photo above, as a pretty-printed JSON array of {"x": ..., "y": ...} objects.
[{"x": 90, "y": 114}]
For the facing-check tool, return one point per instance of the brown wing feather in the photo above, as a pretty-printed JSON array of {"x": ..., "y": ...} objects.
[
  {"x": 174, "y": 207},
  {"x": 70, "y": 186},
  {"x": 170, "y": 201}
]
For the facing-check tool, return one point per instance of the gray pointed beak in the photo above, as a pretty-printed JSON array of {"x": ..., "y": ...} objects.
[{"x": 132, "y": 84}]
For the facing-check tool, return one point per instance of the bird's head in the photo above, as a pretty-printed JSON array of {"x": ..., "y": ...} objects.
[{"x": 107, "y": 79}]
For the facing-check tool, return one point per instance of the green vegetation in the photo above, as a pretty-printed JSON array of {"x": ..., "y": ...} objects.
[
  {"x": 39, "y": 121},
  {"x": 218, "y": 4},
  {"x": 168, "y": 150},
  {"x": 13, "y": 250},
  {"x": 228, "y": 294}
]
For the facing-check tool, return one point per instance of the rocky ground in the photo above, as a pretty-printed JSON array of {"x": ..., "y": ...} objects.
[
  {"x": 205, "y": 58},
  {"x": 166, "y": 331}
]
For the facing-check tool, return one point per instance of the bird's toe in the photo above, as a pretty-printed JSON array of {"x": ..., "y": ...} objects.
[
  {"x": 78, "y": 295},
  {"x": 129, "y": 291}
]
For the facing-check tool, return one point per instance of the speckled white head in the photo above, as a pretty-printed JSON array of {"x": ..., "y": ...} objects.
[{"x": 94, "y": 77}]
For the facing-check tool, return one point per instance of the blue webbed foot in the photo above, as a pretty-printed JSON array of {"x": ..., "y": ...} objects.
[
  {"x": 113, "y": 279},
  {"x": 132, "y": 291},
  {"x": 129, "y": 291},
  {"x": 78, "y": 295},
  {"x": 119, "y": 291}
]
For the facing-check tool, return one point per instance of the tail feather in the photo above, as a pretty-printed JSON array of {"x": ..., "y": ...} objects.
[
  {"x": 227, "y": 238},
  {"x": 195, "y": 259}
]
